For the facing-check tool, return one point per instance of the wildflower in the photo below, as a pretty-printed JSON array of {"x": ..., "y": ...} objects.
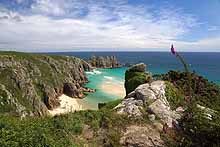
[
  {"x": 186, "y": 67},
  {"x": 173, "y": 50}
]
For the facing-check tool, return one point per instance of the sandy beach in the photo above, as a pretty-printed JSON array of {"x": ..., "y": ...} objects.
[
  {"x": 116, "y": 89},
  {"x": 67, "y": 104}
]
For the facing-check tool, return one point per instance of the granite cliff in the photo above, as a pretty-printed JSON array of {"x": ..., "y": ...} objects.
[
  {"x": 104, "y": 62},
  {"x": 30, "y": 83}
]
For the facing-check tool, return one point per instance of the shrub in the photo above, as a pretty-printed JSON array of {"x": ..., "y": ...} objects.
[
  {"x": 134, "y": 79},
  {"x": 174, "y": 96}
]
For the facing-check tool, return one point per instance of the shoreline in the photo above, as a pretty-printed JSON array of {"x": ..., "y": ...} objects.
[{"x": 112, "y": 88}]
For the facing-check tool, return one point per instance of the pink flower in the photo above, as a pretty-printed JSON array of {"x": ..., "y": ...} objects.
[{"x": 173, "y": 50}]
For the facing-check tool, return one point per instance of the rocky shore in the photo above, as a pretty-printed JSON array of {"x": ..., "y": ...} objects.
[
  {"x": 30, "y": 84},
  {"x": 154, "y": 112}
]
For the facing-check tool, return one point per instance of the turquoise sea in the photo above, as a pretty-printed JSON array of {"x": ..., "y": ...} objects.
[
  {"x": 104, "y": 77},
  {"x": 205, "y": 64}
]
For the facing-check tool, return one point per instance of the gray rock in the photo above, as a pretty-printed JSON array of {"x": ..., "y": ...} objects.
[
  {"x": 153, "y": 100},
  {"x": 104, "y": 62},
  {"x": 141, "y": 136},
  {"x": 151, "y": 117},
  {"x": 130, "y": 106}
]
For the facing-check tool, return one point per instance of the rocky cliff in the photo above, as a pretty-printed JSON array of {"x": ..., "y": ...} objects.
[
  {"x": 104, "y": 62},
  {"x": 30, "y": 84},
  {"x": 164, "y": 101}
]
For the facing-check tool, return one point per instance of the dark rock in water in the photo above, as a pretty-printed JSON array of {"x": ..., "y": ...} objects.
[
  {"x": 104, "y": 62},
  {"x": 30, "y": 84},
  {"x": 135, "y": 76}
]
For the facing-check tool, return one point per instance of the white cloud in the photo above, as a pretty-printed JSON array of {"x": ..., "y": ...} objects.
[
  {"x": 113, "y": 25},
  {"x": 48, "y": 7}
]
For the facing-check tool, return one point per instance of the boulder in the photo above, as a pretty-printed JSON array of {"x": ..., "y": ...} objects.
[
  {"x": 130, "y": 106},
  {"x": 151, "y": 98}
]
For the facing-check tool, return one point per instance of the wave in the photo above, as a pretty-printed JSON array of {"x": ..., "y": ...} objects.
[
  {"x": 108, "y": 77},
  {"x": 94, "y": 72},
  {"x": 90, "y": 73},
  {"x": 97, "y": 72}
]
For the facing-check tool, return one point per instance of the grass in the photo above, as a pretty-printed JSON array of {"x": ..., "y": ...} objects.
[{"x": 66, "y": 130}]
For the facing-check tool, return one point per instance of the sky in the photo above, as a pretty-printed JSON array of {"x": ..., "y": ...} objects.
[{"x": 109, "y": 25}]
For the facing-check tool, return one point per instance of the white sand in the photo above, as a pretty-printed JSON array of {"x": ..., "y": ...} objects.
[
  {"x": 67, "y": 104},
  {"x": 116, "y": 89}
]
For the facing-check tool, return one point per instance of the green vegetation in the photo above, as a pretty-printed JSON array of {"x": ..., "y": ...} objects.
[
  {"x": 31, "y": 78},
  {"x": 174, "y": 96},
  {"x": 134, "y": 79},
  {"x": 66, "y": 130},
  {"x": 110, "y": 105},
  {"x": 204, "y": 92},
  {"x": 199, "y": 126}
]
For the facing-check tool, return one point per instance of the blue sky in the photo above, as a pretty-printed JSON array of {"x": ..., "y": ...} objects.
[{"x": 125, "y": 25}]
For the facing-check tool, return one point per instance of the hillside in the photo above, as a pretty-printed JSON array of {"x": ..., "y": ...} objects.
[
  {"x": 31, "y": 83},
  {"x": 155, "y": 111}
]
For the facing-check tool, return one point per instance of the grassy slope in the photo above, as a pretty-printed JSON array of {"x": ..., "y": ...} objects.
[{"x": 66, "y": 130}]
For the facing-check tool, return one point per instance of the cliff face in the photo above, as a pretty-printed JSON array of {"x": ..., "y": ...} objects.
[
  {"x": 30, "y": 84},
  {"x": 104, "y": 62}
]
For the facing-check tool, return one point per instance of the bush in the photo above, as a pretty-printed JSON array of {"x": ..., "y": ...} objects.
[
  {"x": 198, "y": 130},
  {"x": 134, "y": 79},
  {"x": 174, "y": 96}
]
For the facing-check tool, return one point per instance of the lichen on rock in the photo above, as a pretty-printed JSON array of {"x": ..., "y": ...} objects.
[{"x": 151, "y": 98}]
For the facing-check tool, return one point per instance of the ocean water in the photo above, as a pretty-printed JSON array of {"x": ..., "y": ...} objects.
[
  {"x": 104, "y": 77},
  {"x": 205, "y": 64}
]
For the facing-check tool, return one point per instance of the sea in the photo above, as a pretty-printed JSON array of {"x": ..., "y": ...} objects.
[{"x": 206, "y": 64}]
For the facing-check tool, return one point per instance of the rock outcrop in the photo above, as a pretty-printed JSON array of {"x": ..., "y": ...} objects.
[
  {"x": 135, "y": 76},
  {"x": 30, "y": 84},
  {"x": 149, "y": 98},
  {"x": 104, "y": 62}
]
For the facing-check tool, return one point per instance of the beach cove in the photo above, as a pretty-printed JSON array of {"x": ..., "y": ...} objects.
[
  {"x": 108, "y": 83},
  {"x": 109, "y": 86}
]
